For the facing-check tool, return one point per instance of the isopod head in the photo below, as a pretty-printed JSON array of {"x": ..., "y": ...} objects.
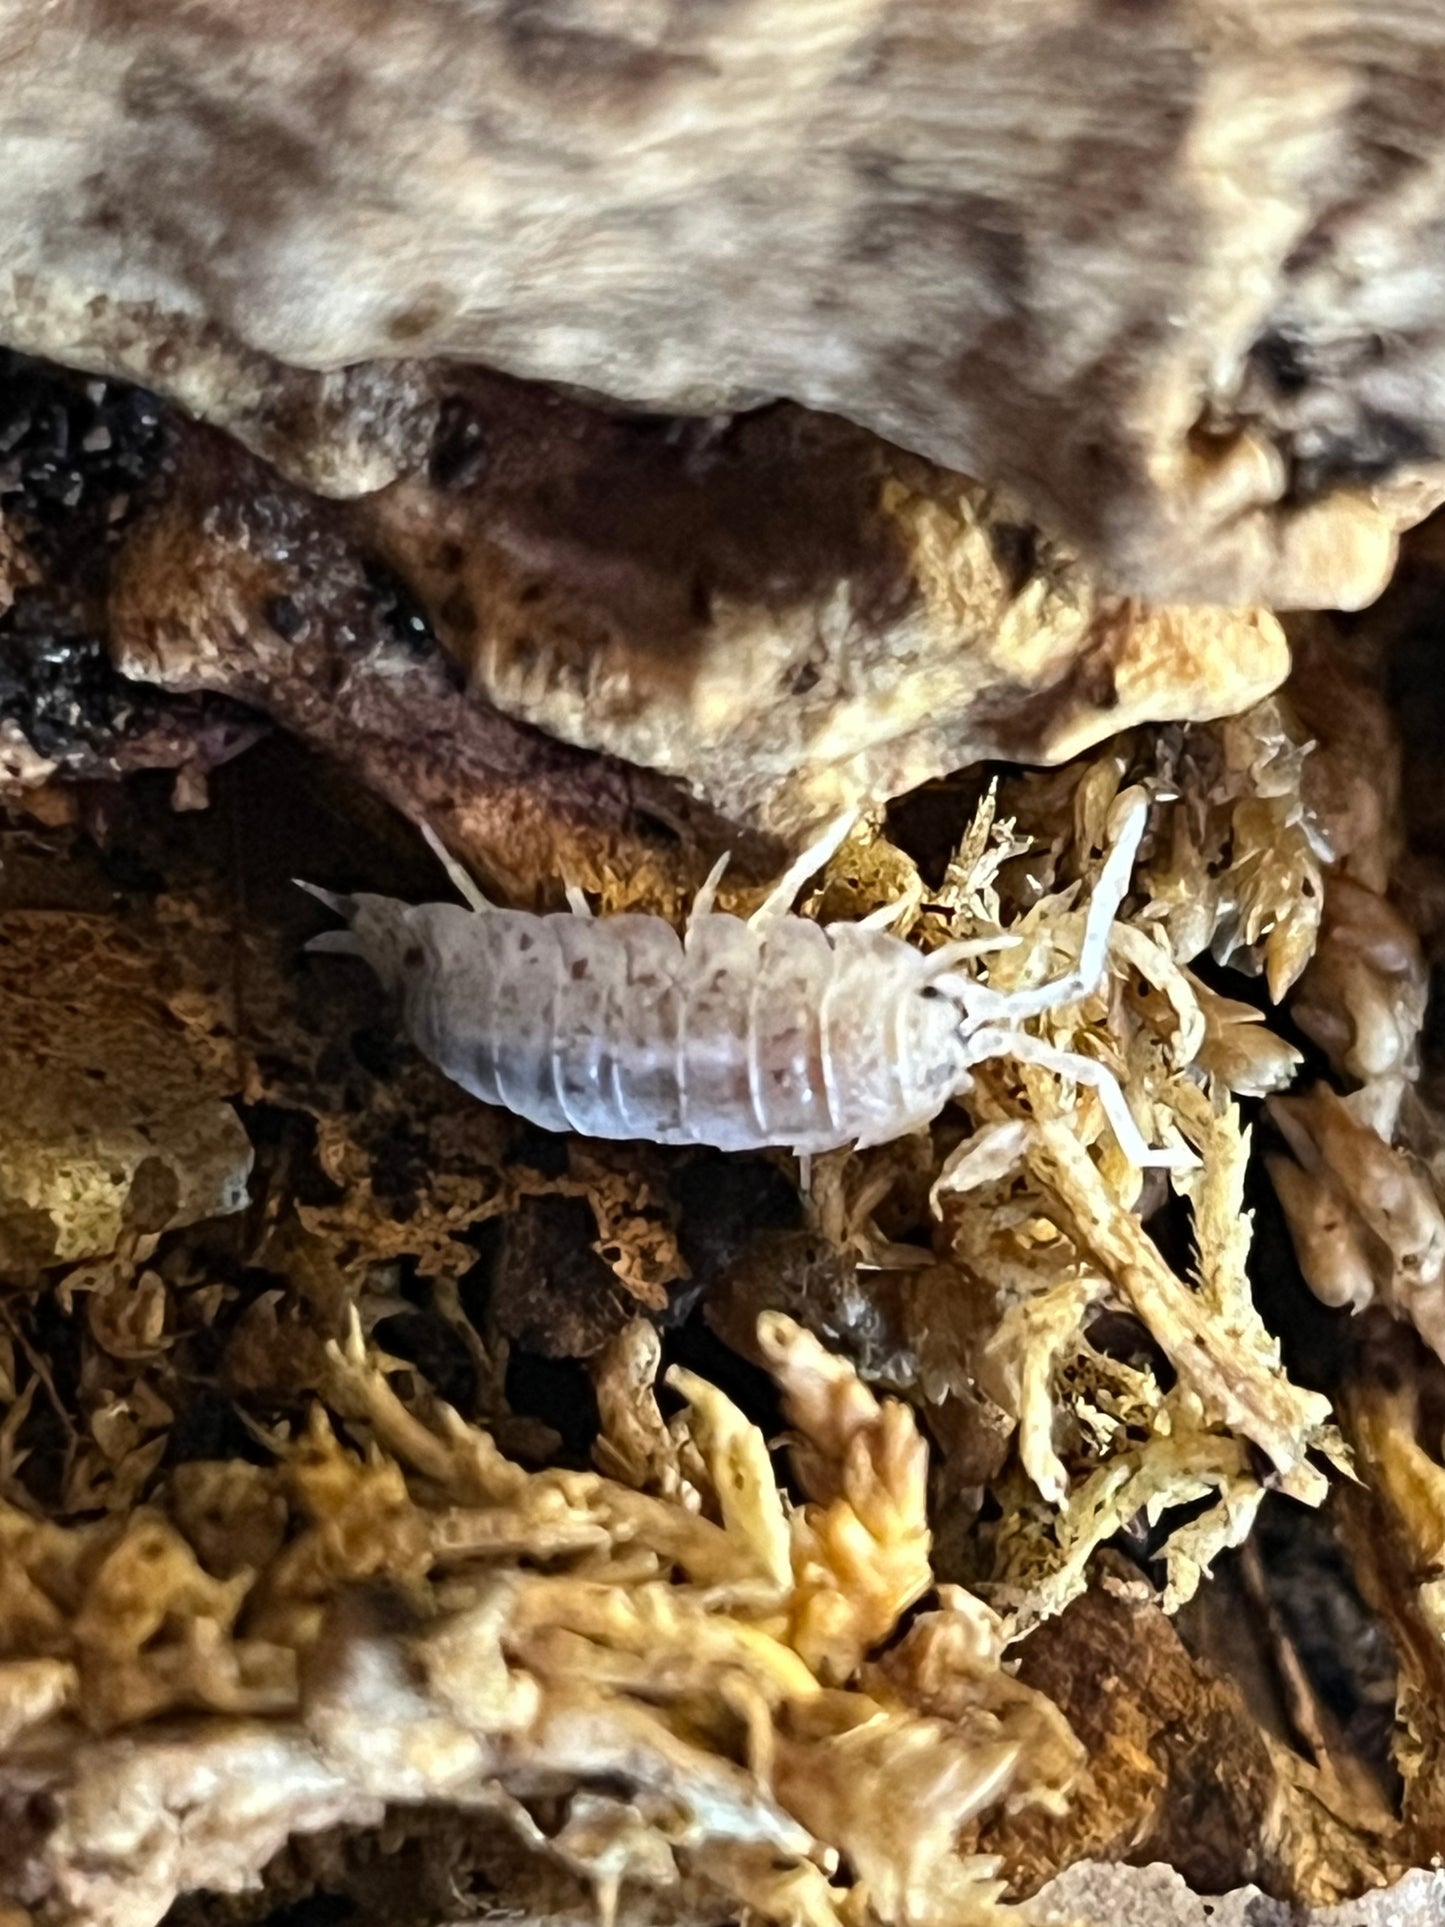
[{"x": 377, "y": 929}]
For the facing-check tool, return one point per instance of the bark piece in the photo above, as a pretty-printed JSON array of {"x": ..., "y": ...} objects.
[
  {"x": 1180, "y": 1772},
  {"x": 240, "y": 585},
  {"x": 785, "y": 613},
  {"x": 1169, "y": 274},
  {"x": 818, "y": 626}
]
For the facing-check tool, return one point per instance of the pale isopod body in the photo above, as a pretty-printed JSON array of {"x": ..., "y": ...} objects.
[{"x": 739, "y": 1034}]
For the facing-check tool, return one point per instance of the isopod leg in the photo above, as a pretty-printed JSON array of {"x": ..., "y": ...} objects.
[
  {"x": 343, "y": 906},
  {"x": 340, "y": 943},
  {"x": 1013, "y": 1006},
  {"x": 779, "y": 900},
  {"x": 465, "y": 887},
  {"x": 576, "y": 899},
  {"x": 886, "y": 915},
  {"x": 1083, "y": 1070},
  {"x": 1108, "y": 898},
  {"x": 706, "y": 897}
]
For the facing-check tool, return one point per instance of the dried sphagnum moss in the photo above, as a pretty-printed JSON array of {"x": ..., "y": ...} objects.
[
  {"x": 1039, "y": 1213},
  {"x": 638, "y": 1683}
]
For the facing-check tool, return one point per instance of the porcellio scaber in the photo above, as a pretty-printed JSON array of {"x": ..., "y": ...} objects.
[{"x": 740, "y": 1034}]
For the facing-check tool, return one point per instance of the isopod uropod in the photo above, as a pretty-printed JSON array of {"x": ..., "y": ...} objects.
[{"x": 740, "y": 1034}]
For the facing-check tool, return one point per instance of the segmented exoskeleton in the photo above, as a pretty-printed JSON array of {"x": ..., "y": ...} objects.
[{"x": 740, "y": 1034}]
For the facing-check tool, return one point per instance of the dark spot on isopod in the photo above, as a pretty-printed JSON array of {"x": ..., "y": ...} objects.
[
  {"x": 579, "y": 970},
  {"x": 414, "y": 957}
]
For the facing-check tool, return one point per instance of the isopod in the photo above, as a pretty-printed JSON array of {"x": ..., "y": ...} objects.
[{"x": 741, "y": 1034}]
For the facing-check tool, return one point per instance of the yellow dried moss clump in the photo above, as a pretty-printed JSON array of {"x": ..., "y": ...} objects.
[{"x": 641, "y": 1685}]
